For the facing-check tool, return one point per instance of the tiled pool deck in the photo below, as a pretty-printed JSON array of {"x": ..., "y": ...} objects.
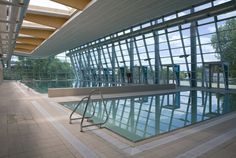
[{"x": 33, "y": 125}]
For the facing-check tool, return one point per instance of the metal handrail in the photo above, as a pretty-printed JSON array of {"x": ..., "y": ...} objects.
[
  {"x": 85, "y": 110},
  {"x": 77, "y": 108}
]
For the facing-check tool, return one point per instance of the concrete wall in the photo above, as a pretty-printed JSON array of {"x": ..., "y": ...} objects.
[{"x": 60, "y": 92}]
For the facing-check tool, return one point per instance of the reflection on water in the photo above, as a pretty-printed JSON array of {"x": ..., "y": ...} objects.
[
  {"x": 138, "y": 118},
  {"x": 43, "y": 85}
]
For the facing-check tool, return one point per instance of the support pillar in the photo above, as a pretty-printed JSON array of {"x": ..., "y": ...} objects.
[
  {"x": 113, "y": 62},
  {"x": 210, "y": 76},
  {"x": 157, "y": 58},
  {"x": 89, "y": 74},
  {"x": 193, "y": 54},
  {"x": 99, "y": 65},
  {"x": 131, "y": 56}
]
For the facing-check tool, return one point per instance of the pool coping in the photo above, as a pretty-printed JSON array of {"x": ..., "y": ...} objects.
[{"x": 61, "y": 92}]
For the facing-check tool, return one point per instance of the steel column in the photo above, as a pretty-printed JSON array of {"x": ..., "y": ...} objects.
[{"x": 193, "y": 54}]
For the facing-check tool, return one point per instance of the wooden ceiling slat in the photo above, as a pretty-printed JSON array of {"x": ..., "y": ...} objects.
[
  {"x": 27, "y": 51},
  {"x": 40, "y": 33},
  {"x": 25, "y": 46},
  {"x": 30, "y": 40},
  {"x": 51, "y": 21}
]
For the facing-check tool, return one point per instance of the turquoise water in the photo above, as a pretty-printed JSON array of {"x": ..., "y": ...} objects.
[
  {"x": 42, "y": 86},
  {"x": 142, "y": 117}
]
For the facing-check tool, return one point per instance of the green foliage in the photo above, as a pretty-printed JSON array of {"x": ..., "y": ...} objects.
[
  {"x": 183, "y": 75},
  {"x": 50, "y": 68},
  {"x": 225, "y": 44}
]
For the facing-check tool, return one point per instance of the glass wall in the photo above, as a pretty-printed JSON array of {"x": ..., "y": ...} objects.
[{"x": 148, "y": 53}]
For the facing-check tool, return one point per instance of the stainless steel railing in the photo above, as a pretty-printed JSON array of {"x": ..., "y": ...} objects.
[{"x": 88, "y": 99}]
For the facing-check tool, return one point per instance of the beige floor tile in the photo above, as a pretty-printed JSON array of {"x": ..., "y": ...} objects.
[{"x": 24, "y": 132}]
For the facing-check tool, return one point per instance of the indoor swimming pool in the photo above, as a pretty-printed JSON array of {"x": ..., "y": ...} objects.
[{"x": 140, "y": 117}]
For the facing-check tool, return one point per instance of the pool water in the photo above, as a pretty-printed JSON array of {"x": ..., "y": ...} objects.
[
  {"x": 42, "y": 86},
  {"x": 141, "y": 117}
]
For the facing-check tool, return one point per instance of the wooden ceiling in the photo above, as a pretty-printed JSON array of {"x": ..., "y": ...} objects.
[{"x": 44, "y": 22}]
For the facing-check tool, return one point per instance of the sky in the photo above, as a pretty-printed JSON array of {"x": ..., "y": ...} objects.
[{"x": 48, "y": 3}]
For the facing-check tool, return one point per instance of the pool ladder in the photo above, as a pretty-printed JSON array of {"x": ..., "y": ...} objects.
[{"x": 88, "y": 98}]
